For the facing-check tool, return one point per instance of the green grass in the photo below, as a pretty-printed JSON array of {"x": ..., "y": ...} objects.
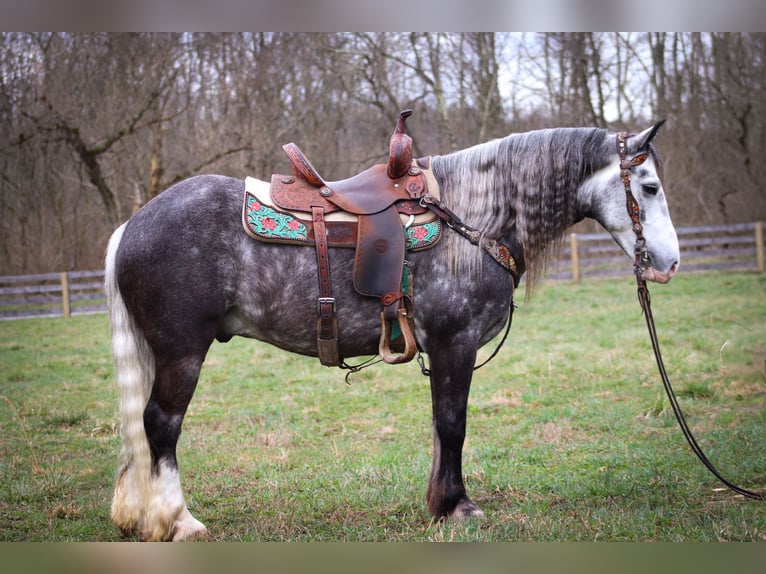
[{"x": 570, "y": 436}]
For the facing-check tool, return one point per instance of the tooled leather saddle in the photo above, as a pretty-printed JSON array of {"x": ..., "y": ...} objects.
[{"x": 378, "y": 212}]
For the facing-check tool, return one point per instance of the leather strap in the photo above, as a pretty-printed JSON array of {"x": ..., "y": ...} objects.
[
  {"x": 499, "y": 252},
  {"x": 641, "y": 254},
  {"x": 634, "y": 211},
  {"x": 327, "y": 324},
  {"x": 645, "y": 301}
]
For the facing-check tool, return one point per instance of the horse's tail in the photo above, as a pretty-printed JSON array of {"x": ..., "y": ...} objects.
[{"x": 134, "y": 365}]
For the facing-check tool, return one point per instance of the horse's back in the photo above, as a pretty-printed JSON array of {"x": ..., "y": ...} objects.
[{"x": 187, "y": 203}]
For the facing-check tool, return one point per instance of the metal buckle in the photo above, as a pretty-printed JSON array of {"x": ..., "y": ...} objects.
[{"x": 325, "y": 301}]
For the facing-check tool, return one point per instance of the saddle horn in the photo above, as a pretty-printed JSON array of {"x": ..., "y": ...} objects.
[{"x": 400, "y": 148}]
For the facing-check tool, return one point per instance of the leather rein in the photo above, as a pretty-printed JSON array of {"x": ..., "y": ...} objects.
[{"x": 641, "y": 261}]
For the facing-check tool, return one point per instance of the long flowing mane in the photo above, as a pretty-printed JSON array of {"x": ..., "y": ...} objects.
[{"x": 525, "y": 184}]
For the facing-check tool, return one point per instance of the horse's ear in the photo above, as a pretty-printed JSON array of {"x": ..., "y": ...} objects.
[{"x": 641, "y": 140}]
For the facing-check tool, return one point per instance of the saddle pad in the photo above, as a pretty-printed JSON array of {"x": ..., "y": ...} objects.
[{"x": 263, "y": 221}]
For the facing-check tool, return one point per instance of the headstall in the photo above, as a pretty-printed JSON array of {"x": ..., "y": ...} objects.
[{"x": 634, "y": 211}]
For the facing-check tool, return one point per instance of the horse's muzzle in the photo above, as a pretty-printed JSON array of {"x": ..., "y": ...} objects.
[{"x": 651, "y": 274}]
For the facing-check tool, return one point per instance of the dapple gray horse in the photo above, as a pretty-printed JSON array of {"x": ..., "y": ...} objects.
[{"x": 182, "y": 273}]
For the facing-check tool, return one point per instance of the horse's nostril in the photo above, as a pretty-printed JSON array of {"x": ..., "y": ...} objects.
[{"x": 673, "y": 268}]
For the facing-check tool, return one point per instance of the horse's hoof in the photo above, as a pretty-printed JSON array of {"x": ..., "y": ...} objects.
[
  {"x": 188, "y": 528},
  {"x": 466, "y": 509}
]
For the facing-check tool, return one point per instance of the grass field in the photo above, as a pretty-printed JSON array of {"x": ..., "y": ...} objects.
[{"x": 570, "y": 436}]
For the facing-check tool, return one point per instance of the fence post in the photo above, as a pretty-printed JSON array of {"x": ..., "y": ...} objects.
[
  {"x": 575, "y": 258},
  {"x": 759, "y": 245},
  {"x": 65, "y": 294}
]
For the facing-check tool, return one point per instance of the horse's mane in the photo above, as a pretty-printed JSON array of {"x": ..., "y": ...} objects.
[{"x": 525, "y": 183}]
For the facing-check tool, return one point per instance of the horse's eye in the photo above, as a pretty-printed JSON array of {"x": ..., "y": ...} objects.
[{"x": 651, "y": 188}]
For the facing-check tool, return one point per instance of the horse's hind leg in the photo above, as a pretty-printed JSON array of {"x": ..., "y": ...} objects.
[
  {"x": 451, "y": 373},
  {"x": 155, "y": 390},
  {"x": 166, "y": 515}
]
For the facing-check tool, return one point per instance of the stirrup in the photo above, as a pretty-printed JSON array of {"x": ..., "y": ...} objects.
[{"x": 410, "y": 344}]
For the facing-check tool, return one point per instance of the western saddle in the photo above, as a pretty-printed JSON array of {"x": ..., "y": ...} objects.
[{"x": 375, "y": 198}]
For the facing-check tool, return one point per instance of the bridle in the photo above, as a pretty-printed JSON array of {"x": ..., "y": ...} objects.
[
  {"x": 640, "y": 264},
  {"x": 634, "y": 210}
]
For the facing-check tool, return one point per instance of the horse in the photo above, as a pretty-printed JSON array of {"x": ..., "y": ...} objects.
[{"x": 181, "y": 273}]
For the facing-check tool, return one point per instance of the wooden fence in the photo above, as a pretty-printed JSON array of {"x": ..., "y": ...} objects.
[
  {"x": 52, "y": 294},
  {"x": 738, "y": 246}
]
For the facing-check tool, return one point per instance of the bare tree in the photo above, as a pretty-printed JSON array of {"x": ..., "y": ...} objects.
[
  {"x": 709, "y": 87},
  {"x": 481, "y": 88},
  {"x": 93, "y": 126}
]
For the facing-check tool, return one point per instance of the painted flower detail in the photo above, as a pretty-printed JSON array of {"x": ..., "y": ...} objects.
[
  {"x": 422, "y": 236},
  {"x": 420, "y": 233},
  {"x": 269, "y": 223}
]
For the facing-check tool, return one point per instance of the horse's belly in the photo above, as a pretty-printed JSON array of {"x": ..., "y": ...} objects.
[{"x": 276, "y": 302}]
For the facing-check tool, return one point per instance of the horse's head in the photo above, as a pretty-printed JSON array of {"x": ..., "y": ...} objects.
[{"x": 603, "y": 196}]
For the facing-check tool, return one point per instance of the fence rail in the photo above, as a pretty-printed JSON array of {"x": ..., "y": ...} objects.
[
  {"x": 52, "y": 294},
  {"x": 739, "y": 246}
]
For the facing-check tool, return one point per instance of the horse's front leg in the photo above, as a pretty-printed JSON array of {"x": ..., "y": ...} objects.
[{"x": 451, "y": 372}]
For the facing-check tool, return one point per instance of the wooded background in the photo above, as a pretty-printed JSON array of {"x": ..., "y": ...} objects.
[{"x": 94, "y": 125}]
